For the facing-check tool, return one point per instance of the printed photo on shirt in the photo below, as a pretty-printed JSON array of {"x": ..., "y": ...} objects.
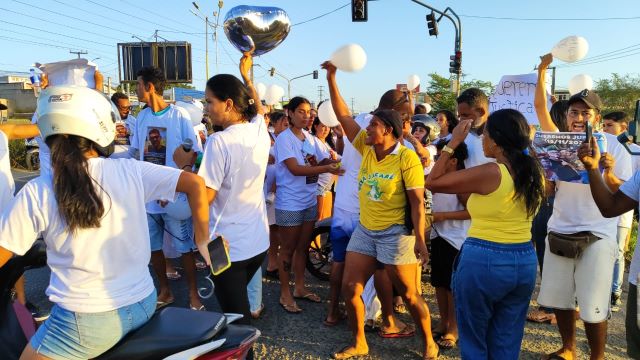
[
  {"x": 308, "y": 153},
  {"x": 123, "y": 135},
  {"x": 155, "y": 146}
]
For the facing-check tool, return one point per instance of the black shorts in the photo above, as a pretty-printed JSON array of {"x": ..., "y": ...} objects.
[{"x": 442, "y": 256}]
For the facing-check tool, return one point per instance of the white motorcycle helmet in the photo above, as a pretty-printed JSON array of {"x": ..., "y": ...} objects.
[
  {"x": 430, "y": 123},
  {"x": 79, "y": 111},
  {"x": 179, "y": 209}
]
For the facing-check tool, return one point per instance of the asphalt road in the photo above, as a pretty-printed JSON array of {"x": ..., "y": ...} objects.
[{"x": 303, "y": 336}]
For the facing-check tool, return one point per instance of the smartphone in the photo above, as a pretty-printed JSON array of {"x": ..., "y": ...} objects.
[
  {"x": 588, "y": 132},
  {"x": 219, "y": 256}
]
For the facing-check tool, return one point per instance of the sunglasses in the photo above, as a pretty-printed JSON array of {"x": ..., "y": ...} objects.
[{"x": 403, "y": 99}]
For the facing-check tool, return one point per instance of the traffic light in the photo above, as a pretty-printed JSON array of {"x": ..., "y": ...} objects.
[
  {"x": 455, "y": 66},
  {"x": 315, "y": 74},
  {"x": 359, "y": 10},
  {"x": 432, "y": 24},
  {"x": 272, "y": 71}
]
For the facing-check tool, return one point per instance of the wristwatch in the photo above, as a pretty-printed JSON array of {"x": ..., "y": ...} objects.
[{"x": 447, "y": 149}]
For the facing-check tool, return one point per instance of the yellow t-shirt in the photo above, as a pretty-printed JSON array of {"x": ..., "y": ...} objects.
[
  {"x": 380, "y": 184},
  {"x": 498, "y": 217}
]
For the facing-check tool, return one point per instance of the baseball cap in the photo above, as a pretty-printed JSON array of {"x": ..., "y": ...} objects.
[{"x": 589, "y": 97}]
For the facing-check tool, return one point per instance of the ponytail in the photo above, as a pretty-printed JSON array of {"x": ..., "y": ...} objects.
[
  {"x": 79, "y": 204},
  {"x": 509, "y": 129}
]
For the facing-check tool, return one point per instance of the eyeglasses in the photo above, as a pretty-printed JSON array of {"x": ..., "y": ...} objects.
[
  {"x": 403, "y": 99},
  {"x": 124, "y": 107},
  {"x": 587, "y": 114}
]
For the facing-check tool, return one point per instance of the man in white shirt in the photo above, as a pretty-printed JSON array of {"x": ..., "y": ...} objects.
[
  {"x": 159, "y": 130},
  {"x": 615, "y": 123},
  {"x": 473, "y": 104},
  {"x": 124, "y": 128},
  {"x": 586, "y": 276}
]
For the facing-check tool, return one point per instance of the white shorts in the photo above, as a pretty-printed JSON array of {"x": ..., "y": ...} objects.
[{"x": 587, "y": 279}]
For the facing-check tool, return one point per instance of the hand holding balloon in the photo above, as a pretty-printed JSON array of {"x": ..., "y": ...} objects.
[{"x": 349, "y": 58}]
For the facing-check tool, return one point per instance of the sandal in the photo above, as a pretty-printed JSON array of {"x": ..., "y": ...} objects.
[
  {"x": 541, "y": 317},
  {"x": 406, "y": 331},
  {"x": 201, "y": 265},
  {"x": 162, "y": 304},
  {"x": 400, "y": 308},
  {"x": 256, "y": 314},
  {"x": 291, "y": 309},
  {"x": 347, "y": 352},
  {"x": 310, "y": 297},
  {"x": 447, "y": 342},
  {"x": 201, "y": 308},
  {"x": 175, "y": 275},
  {"x": 341, "y": 316}
]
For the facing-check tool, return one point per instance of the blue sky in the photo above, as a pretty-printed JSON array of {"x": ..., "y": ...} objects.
[{"x": 395, "y": 38}]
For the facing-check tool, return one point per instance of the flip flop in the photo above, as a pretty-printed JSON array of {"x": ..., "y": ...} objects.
[
  {"x": 346, "y": 354},
  {"x": 400, "y": 308},
  {"x": 407, "y": 331},
  {"x": 201, "y": 265},
  {"x": 553, "y": 356},
  {"x": 291, "y": 309},
  {"x": 174, "y": 275},
  {"x": 541, "y": 317},
  {"x": 201, "y": 308},
  {"x": 310, "y": 297},
  {"x": 163, "y": 304},
  {"x": 341, "y": 317},
  {"x": 447, "y": 342}
]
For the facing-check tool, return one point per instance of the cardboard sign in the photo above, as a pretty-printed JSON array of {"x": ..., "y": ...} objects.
[{"x": 517, "y": 92}]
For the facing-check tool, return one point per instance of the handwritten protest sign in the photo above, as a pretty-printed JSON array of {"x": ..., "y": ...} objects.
[
  {"x": 558, "y": 154},
  {"x": 516, "y": 92}
]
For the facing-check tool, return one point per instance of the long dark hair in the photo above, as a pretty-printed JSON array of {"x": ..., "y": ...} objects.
[
  {"x": 508, "y": 128},
  {"x": 329, "y": 138},
  {"x": 225, "y": 86},
  {"x": 79, "y": 204},
  {"x": 452, "y": 120}
]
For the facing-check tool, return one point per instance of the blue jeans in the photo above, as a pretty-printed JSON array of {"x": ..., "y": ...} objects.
[
  {"x": 254, "y": 291},
  {"x": 618, "y": 268},
  {"x": 492, "y": 285},
  {"x": 74, "y": 335}
]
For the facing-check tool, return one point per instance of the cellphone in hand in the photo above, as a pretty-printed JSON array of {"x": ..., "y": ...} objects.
[
  {"x": 588, "y": 130},
  {"x": 219, "y": 256}
]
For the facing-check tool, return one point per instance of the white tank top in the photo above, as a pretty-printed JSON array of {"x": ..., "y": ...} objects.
[{"x": 453, "y": 231}]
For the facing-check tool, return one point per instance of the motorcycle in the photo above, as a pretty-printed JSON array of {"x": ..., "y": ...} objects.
[
  {"x": 32, "y": 156},
  {"x": 171, "y": 333}
]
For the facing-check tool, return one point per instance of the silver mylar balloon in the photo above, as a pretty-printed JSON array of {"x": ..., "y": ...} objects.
[{"x": 264, "y": 28}]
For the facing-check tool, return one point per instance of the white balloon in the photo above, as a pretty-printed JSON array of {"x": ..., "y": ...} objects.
[
  {"x": 413, "y": 82},
  {"x": 428, "y": 107},
  {"x": 571, "y": 49},
  {"x": 579, "y": 83},
  {"x": 327, "y": 115},
  {"x": 349, "y": 58},
  {"x": 273, "y": 95},
  {"x": 195, "y": 110},
  {"x": 262, "y": 90}
]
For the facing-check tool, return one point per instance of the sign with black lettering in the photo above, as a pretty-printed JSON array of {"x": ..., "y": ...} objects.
[{"x": 516, "y": 92}]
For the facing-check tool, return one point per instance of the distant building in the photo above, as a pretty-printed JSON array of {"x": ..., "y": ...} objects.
[
  {"x": 562, "y": 94},
  {"x": 16, "y": 88}
]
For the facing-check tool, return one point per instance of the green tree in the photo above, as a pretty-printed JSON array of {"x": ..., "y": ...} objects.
[
  {"x": 619, "y": 93},
  {"x": 442, "y": 98},
  {"x": 181, "y": 85}
]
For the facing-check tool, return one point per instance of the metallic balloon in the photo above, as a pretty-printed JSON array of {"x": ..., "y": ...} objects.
[{"x": 262, "y": 28}]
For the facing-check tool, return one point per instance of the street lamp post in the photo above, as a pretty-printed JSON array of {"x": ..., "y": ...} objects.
[{"x": 208, "y": 24}]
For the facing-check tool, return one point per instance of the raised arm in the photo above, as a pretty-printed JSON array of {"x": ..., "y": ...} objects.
[
  {"x": 540, "y": 98},
  {"x": 20, "y": 131},
  {"x": 246, "y": 62},
  {"x": 350, "y": 126}
]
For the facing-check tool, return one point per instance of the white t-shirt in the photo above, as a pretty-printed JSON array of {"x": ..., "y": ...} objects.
[
  {"x": 44, "y": 154},
  {"x": 453, "y": 231},
  {"x": 234, "y": 164},
  {"x": 631, "y": 188},
  {"x": 347, "y": 185},
  {"x": 476, "y": 154},
  {"x": 97, "y": 269},
  {"x": 7, "y": 186},
  {"x": 158, "y": 135},
  {"x": 574, "y": 209},
  {"x": 325, "y": 180},
  {"x": 626, "y": 219},
  {"x": 296, "y": 193},
  {"x": 123, "y": 143}
]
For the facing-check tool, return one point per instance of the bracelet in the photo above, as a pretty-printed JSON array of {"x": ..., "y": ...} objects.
[
  {"x": 447, "y": 149},
  {"x": 190, "y": 167}
]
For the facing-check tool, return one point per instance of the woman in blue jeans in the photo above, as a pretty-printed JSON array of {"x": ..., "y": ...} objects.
[
  {"x": 91, "y": 212},
  {"x": 495, "y": 272}
]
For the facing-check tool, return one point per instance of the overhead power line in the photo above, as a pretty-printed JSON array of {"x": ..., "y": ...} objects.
[
  {"x": 55, "y": 33},
  {"x": 549, "y": 19},
  {"x": 322, "y": 15}
]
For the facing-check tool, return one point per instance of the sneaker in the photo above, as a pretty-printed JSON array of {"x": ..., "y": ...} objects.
[
  {"x": 615, "y": 302},
  {"x": 38, "y": 314}
]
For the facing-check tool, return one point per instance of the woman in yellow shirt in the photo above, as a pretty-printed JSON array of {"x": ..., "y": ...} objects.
[
  {"x": 495, "y": 272},
  {"x": 390, "y": 176}
]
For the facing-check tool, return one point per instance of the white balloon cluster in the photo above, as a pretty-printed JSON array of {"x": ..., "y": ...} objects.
[
  {"x": 273, "y": 94},
  {"x": 327, "y": 115}
]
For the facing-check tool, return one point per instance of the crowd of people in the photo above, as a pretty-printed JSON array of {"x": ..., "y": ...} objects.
[{"x": 462, "y": 193}]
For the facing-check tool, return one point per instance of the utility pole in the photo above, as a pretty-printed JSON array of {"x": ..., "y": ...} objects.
[
  {"x": 80, "y": 52},
  {"x": 320, "y": 90},
  {"x": 352, "y": 102},
  {"x": 553, "y": 77}
]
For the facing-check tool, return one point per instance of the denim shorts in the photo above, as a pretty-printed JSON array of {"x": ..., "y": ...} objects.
[
  {"x": 390, "y": 246},
  {"x": 73, "y": 335},
  {"x": 343, "y": 224},
  {"x": 180, "y": 231},
  {"x": 296, "y": 218}
]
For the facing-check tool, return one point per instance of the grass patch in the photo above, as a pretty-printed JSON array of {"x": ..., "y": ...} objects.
[{"x": 633, "y": 240}]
